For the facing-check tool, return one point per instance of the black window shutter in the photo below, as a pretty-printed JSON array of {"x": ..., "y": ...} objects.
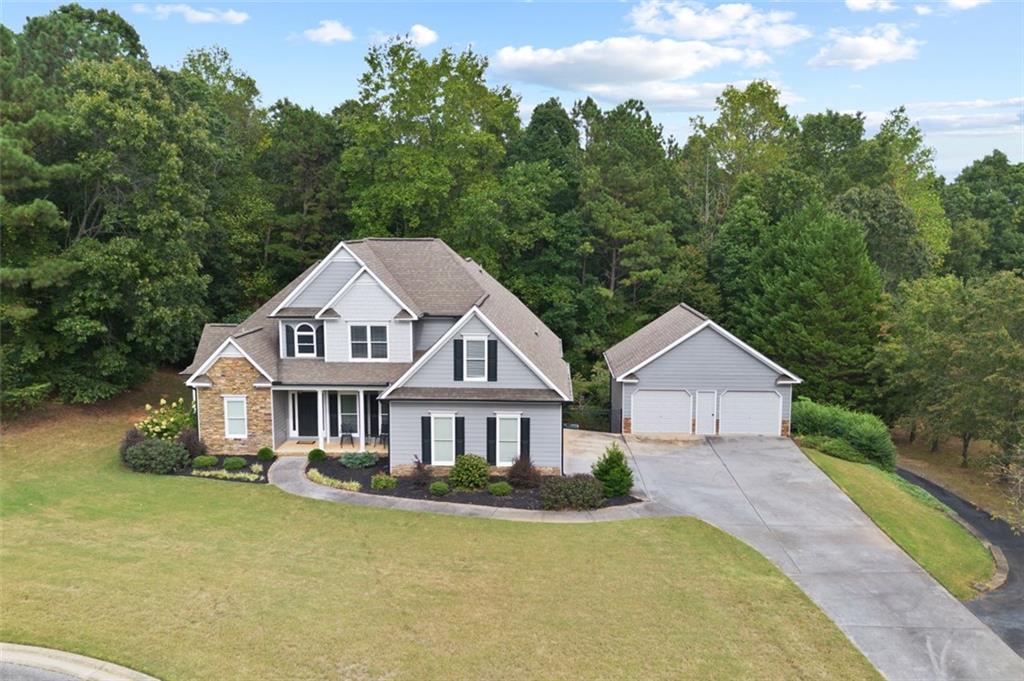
[
  {"x": 524, "y": 438},
  {"x": 492, "y": 360},
  {"x": 492, "y": 444},
  {"x": 289, "y": 340},
  {"x": 458, "y": 360},
  {"x": 460, "y": 435},
  {"x": 425, "y": 439},
  {"x": 320, "y": 341}
]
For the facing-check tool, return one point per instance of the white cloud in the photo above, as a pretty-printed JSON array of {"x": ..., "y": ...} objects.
[
  {"x": 329, "y": 31},
  {"x": 193, "y": 15},
  {"x": 1009, "y": 102},
  {"x": 966, "y": 4},
  {"x": 421, "y": 36},
  {"x": 922, "y": 10},
  {"x": 733, "y": 23},
  {"x": 871, "y": 5},
  {"x": 872, "y": 46},
  {"x": 613, "y": 60},
  {"x": 962, "y": 118}
]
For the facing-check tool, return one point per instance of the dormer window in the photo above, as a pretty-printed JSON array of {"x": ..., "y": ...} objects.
[
  {"x": 302, "y": 339},
  {"x": 305, "y": 340}
]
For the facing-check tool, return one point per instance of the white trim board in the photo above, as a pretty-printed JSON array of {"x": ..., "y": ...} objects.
[
  {"x": 725, "y": 334},
  {"x": 455, "y": 328},
  {"x": 313, "y": 275},
  {"x": 216, "y": 354}
]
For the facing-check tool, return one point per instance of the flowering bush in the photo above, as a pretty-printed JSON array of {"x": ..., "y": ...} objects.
[{"x": 167, "y": 420}]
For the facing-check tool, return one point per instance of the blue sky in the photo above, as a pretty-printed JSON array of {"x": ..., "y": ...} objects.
[{"x": 958, "y": 65}]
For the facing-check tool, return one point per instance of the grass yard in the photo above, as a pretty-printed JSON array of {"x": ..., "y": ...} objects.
[
  {"x": 943, "y": 468},
  {"x": 197, "y": 579},
  {"x": 916, "y": 521}
]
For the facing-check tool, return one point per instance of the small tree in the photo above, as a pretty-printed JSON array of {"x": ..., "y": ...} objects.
[{"x": 613, "y": 472}]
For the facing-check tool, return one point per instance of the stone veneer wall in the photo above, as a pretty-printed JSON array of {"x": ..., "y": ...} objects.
[{"x": 235, "y": 376}]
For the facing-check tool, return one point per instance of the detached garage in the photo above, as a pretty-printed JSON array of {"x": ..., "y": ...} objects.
[{"x": 685, "y": 374}]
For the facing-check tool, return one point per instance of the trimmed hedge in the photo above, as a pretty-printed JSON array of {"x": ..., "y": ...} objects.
[
  {"x": 833, "y": 446},
  {"x": 439, "y": 488},
  {"x": 866, "y": 433},
  {"x": 316, "y": 455},
  {"x": 580, "y": 492},
  {"x": 156, "y": 456},
  {"x": 265, "y": 454},
  {"x": 234, "y": 463},
  {"x": 204, "y": 461}
]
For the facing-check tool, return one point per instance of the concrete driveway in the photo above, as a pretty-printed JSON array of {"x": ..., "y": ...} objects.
[{"x": 764, "y": 491}]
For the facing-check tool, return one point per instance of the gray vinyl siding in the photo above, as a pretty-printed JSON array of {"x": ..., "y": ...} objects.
[
  {"x": 706, "y": 361},
  {"x": 429, "y": 330},
  {"x": 438, "y": 371},
  {"x": 330, "y": 280},
  {"x": 545, "y": 428},
  {"x": 367, "y": 302},
  {"x": 280, "y": 407}
]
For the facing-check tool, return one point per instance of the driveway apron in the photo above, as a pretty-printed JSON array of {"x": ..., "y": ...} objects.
[{"x": 764, "y": 491}]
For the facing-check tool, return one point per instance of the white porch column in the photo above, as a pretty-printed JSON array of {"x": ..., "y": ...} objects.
[
  {"x": 320, "y": 419},
  {"x": 362, "y": 423}
]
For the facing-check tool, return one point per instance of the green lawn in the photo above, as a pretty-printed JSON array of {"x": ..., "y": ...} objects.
[
  {"x": 199, "y": 579},
  {"x": 916, "y": 521}
]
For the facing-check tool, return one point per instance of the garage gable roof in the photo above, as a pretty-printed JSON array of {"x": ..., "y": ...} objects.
[{"x": 666, "y": 332}]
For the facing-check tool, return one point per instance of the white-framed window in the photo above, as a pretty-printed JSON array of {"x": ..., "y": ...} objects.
[
  {"x": 236, "y": 423},
  {"x": 442, "y": 439},
  {"x": 474, "y": 358},
  {"x": 305, "y": 340},
  {"x": 348, "y": 408},
  {"x": 508, "y": 438},
  {"x": 368, "y": 341}
]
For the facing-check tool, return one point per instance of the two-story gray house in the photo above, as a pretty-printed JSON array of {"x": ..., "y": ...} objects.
[{"x": 395, "y": 345}]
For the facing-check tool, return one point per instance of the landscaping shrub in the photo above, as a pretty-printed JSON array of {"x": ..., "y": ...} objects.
[
  {"x": 579, "y": 492},
  {"x": 358, "y": 459},
  {"x": 190, "y": 440},
  {"x": 204, "y": 461},
  {"x": 421, "y": 476},
  {"x": 470, "y": 472},
  {"x": 613, "y": 472},
  {"x": 439, "y": 488},
  {"x": 523, "y": 474},
  {"x": 321, "y": 479},
  {"x": 500, "y": 489},
  {"x": 316, "y": 455},
  {"x": 383, "y": 481},
  {"x": 833, "y": 446},
  {"x": 168, "y": 420},
  {"x": 266, "y": 454},
  {"x": 225, "y": 475},
  {"x": 234, "y": 463},
  {"x": 864, "y": 432},
  {"x": 156, "y": 456},
  {"x": 256, "y": 468},
  {"x": 132, "y": 436}
]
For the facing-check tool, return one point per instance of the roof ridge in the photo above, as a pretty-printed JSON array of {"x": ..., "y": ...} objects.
[{"x": 693, "y": 310}]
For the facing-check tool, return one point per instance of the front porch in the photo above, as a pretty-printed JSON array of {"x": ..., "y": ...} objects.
[
  {"x": 301, "y": 447},
  {"x": 336, "y": 420}
]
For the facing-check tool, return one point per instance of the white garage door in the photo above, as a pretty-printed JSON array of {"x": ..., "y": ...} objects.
[
  {"x": 750, "y": 413},
  {"x": 661, "y": 411}
]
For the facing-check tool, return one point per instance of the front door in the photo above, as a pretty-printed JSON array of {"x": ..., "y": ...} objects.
[
  {"x": 706, "y": 412},
  {"x": 307, "y": 421}
]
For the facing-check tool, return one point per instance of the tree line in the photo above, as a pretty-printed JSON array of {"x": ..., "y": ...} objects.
[{"x": 141, "y": 201}]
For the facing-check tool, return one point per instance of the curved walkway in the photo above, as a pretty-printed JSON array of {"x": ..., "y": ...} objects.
[
  {"x": 289, "y": 474},
  {"x": 1002, "y": 609},
  {"x": 32, "y": 663}
]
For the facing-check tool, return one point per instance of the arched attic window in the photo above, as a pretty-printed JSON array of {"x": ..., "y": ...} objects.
[{"x": 305, "y": 340}]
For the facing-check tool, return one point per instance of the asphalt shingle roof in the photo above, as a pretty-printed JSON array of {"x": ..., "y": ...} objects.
[
  {"x": 430, "y": 279},
  {"x": 666, "y": 329}
]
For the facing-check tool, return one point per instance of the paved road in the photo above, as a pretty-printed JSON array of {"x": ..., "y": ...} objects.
[
  {"x": 766, "y": 492},
  {"x": 1002, "y": 609}
]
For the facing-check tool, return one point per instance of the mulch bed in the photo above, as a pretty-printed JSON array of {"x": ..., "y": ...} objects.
[
  {"x": 519, "y": 498},
  {"x": 250, "y": 459}
]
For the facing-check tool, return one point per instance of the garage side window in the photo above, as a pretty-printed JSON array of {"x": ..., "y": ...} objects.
[{"x": 235, "y": 422}]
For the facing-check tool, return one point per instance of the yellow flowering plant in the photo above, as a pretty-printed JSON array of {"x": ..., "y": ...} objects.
[{"x": 166, "y": 420}]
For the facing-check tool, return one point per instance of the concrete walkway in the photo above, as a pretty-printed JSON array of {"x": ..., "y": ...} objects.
[
  {"x": 32, "y": 663},
  {"x": 766, "y": 492},
  {"x": 288, "y": 474}
]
